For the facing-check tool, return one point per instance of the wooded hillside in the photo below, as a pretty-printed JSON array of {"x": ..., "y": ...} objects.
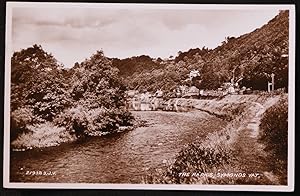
[{"x": 250, "y": 58}]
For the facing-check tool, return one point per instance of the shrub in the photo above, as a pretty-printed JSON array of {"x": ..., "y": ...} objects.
[
  {"x": 94, "y": 122},
  {"x": 196, "y": 158},
  {"x": 19, "y": 120},
  {"x": 80, "y": 120},
  {"x": 274, "y": 126},
  {"x": 43, "y": 135}
]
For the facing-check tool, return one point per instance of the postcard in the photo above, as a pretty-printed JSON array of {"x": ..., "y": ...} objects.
[{"x": 149, "y": 96}]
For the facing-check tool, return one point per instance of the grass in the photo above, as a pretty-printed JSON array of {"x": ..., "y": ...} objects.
[{"x": 42, "y": 135}]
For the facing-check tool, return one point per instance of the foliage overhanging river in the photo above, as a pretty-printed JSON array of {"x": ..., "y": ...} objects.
[{"x": 118, "y": 158}]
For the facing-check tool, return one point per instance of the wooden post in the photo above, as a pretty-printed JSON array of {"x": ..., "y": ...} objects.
[{"x": 272, "y": 75}]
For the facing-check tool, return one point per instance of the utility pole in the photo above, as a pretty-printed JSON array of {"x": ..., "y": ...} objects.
[{"x": 272, "y": 75}]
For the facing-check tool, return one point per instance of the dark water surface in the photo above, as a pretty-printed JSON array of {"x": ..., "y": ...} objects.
[{"x": 118, "y": 158}]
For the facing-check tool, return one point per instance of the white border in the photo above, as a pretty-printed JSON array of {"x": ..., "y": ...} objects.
[{"x": 291, "y": 103}]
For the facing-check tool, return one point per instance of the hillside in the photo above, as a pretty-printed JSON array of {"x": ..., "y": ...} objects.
[
  {"x": 135, "y": 64},
  {"x": 250, "y": 58}
]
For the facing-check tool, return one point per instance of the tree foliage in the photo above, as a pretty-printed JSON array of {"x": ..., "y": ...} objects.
[{"x": 43, "y": 91}]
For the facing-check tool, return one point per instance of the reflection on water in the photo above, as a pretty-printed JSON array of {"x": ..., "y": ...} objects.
[{"x": 118, "y": 158}]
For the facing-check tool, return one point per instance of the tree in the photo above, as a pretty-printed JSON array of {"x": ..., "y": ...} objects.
[
  {"x": 38, "y": 89},
  {"x": 98, "y": 98},
  {"x": 37, "y": 81},
  {"x": 258, "y": 75},
  {"x": 49, "y": 96}
]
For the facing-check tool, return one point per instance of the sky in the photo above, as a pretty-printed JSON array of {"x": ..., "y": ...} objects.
[{"x": 74, "y": 34}]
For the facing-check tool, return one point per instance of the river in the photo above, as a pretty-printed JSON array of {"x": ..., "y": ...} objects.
[{"x": 119, "y": 158}]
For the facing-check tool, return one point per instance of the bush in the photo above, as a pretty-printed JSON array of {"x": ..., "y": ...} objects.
[
  {"x": 19, "y": 120},
  {"x": 274, "y": 126},
  {"x": 43, "y": 135},
  {"x": 93, "y": 122},
  {"x": 196, "y": 158}
]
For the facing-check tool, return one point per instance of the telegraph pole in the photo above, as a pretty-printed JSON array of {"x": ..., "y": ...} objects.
[{"x": 272, "y": 75}]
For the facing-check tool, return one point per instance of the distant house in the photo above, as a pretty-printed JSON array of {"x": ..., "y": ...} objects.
[
  {"x": 193, "y": 74},
  {"x": 183, "y": 89},
  {"x": 136, "y": 102},
  {"x": 145, "y": 97},
  {"x": 159, "y": 94},
  {"x": 131, "y": 93},
  {"x": 192, "y": 92},
  {"x": 230, "y": 88}
]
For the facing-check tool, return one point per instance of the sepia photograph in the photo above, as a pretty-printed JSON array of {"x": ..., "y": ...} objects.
[{"x": 149, "y": 96}]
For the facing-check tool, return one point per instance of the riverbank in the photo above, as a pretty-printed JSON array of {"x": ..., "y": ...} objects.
[
  {"x": 232, "y": 151},
  {"x": 49, "y": 135},
  {"x": 227, "y": 108}
]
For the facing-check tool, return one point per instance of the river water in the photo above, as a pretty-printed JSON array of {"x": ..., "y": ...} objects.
[{"x": 119, "y": 158}]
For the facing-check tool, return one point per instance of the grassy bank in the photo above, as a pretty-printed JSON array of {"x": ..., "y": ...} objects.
[
  {"x": 48, "y": 134},
  {"x": 43, "y": 135},
  {"x": 233, "y": 155}
]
